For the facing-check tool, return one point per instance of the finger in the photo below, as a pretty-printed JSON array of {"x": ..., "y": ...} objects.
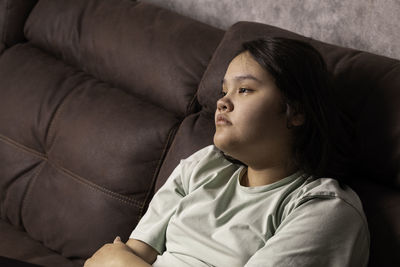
[
  {"x": 87, "y": 263},
  {"x": 117, "y": 239}
]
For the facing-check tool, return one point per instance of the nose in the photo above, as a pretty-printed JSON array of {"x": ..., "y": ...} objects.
[{"x": 224, "y": 104}]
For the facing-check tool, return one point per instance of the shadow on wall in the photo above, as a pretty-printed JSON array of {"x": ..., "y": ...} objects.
[{"x": 370, "y": 26}]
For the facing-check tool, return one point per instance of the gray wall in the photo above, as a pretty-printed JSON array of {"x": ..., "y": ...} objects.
[{"x": 369, "y": 25}]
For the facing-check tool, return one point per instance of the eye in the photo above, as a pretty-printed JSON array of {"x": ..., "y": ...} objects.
[
  {"x": 244, "y": 90},
  {"x": 223, "y": 94}
]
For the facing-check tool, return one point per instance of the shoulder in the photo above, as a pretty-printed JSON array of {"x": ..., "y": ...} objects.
[
  {"x": 329, "y": 188},
  {"x": 324, "y": 224},
  {"x": 324, "y": 206},
  {"x": 326, "y": 197}
]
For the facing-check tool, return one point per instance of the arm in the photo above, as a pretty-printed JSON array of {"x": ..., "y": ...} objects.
[
  {"x": 149, "y": 236},
  {"x": 151, "y": 229},
  {"x": 142, "y": 250},
  {"x": 118, "y": 254},
  {"x": 320, "y": 232}
]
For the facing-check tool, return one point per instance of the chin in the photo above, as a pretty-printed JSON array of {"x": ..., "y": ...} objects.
[
  {"x": 225, "y": 146},
  {"x": 221, "y": 141}
]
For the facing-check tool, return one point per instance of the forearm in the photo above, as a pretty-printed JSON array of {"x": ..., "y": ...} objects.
[
  {"x": 142, "y": 250},
  {"x": 136, "y": 261},
  {"x": 116, "y": 254}
]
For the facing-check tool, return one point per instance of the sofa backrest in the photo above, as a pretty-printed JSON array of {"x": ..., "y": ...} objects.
[
  {"x": 366, "y": 88},
  {"x": 88, "y": 108},
  {"x": 103, "y": 100}
]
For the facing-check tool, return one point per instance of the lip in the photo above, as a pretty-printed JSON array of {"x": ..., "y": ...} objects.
[{"x": 222, "y": 120}]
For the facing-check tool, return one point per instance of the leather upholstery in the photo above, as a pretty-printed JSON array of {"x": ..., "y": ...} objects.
[
  {"x": 366, "y": 89},
  {"x": 13, "y": 14},
  {"x": 102, "y": 99},
  {"x": 89, "y": 106}
]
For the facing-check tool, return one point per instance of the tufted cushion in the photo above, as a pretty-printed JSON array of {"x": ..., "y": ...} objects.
[
  {"x": 88, "y": 109},
  {"x": 76, "y": 153},
  {"x": 16, "y": 244},
  {"x": 144, "y": 49},
  {"x": 102, "y": 103}
]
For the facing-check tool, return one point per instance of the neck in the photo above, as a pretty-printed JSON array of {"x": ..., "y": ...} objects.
[{"x": 258, "y": 177}]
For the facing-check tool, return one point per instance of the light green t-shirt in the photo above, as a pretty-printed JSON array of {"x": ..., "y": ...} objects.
[{"x": 203, "y": 216}]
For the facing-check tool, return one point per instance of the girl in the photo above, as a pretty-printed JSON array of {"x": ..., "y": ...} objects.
[{"x": 258, "y": 196}]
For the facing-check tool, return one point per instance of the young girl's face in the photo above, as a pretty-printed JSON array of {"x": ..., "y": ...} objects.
[{"x": 250, "y": 118}]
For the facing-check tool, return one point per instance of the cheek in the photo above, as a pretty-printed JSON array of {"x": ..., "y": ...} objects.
[
  {"x": 252, "y": 116},
  {"x": 260, "y": 121},
  {"x": 257, "y": 122}
]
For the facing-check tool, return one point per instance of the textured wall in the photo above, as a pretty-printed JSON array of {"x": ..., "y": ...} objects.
[{"x": 369, "y": 25}]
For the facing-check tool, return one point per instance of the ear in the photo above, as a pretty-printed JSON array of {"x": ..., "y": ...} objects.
[
  {"x": 297, "y": 119},
  {"x": 294, "y": 116}
]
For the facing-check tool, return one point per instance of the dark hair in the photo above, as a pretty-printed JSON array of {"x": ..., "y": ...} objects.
[{"x": 301, "y": 75}]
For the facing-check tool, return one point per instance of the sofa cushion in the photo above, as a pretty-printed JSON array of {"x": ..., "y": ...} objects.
[
  {"x": 16, "y": 244},
  {"x": 154, "y": 53},
  {"x": 13, "y": 14},
  {"x": 88, "y": 109},
  {"x": 78, "y": 157},
  {"x": 381, "y": 206}
]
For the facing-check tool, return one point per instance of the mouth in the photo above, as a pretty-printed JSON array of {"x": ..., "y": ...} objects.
[{"x": 222, "y": 120}]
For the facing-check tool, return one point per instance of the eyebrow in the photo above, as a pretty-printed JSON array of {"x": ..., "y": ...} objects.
[{"x": 243, "y": 77}]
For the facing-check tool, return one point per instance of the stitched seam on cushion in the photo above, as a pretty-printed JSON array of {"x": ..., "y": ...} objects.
[
  {"x": 50, "y": 134},
  {"x": 50, "y": 131},
  {"x": 122, "y": 198},
  {"x": 26, "y": 204},
  {"x": 22, "y": 147},
  {"x": 160, "y": 161},
  {"x": 96, "y": 187}
]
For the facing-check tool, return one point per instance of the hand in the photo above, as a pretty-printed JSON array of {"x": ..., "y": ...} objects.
[{"x": 112, "y": 255}]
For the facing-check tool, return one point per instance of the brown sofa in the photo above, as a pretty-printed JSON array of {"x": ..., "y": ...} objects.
[{"x": 100, "y": 99}]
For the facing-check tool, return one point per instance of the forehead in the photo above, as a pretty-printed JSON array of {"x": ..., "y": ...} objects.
[{"x": 244, "y": 65}]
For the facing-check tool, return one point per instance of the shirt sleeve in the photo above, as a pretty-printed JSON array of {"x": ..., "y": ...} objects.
[
  {"x": 152, "y": 226},
  {"x": 320, "y": 232}
]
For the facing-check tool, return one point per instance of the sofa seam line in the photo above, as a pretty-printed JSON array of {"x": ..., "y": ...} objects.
[
  {"x": 71, "y": 174},
  {"x": 49, "y": 133},
  {"x": 28, "y": 191},
  {"x": 105, "y": 191},
  {"x": 22, "y": 147}
]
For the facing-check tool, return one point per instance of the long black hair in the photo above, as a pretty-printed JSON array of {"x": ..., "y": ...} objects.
[{"x": 301, "y": 74}]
